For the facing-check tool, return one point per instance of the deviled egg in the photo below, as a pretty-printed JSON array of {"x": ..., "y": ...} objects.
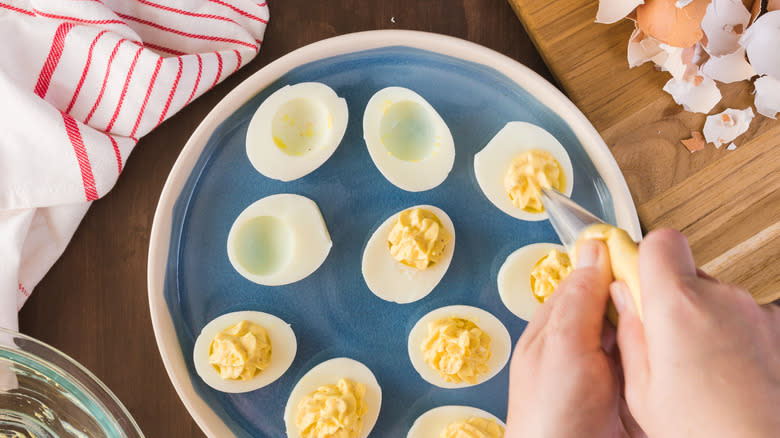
[
  {"x": 340, "y": 382},
  {"x": 530, "y": 275},
  {"x": 295, "y": 130},
  {"x": 243, "y": 351},
  {"x": 520, "y": 159},
  {"x": 458, "y": 346},
  {"x": 407, "y": 139},
  {"x": 449, "y": 421},
  {"x": 408, "y": 255},
  {"x": 279, "y": 239}
]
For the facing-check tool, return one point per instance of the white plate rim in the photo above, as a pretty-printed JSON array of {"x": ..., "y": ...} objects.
[{"x": 540, "y": 88}]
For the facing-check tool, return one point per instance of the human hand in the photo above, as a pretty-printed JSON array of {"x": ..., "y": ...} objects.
[
  {"x": 705, "y": 359},
  {"x": 564, "y": 376}
]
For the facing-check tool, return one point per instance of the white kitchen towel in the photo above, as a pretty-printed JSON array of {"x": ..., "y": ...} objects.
[{"x": 80, "y": 82}]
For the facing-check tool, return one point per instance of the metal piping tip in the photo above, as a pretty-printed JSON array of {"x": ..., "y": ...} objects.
[{"x": 567, "y": 217}]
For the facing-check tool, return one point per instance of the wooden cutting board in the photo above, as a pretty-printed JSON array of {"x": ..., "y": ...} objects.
[{"x": 726, "y": 202}]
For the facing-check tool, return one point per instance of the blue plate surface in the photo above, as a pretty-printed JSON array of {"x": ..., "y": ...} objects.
[{"x": 332, "y": 311}]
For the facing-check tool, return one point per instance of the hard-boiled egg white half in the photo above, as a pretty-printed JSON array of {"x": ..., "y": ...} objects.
[
  {"x": 493, "y": 161},
  {"x": 393, "y": 281},
  {"x": 295, "y": 130},
  {"x": 279, "y": 239},
  {"x": 283, "y": 348},
  {"x": 407, "y": 139},
  {"x": 514, "y": 278},
  {"x": 500, "y": 343},
  {"x": 433, "y": 422},
  {"x": 330, "y": 372}
]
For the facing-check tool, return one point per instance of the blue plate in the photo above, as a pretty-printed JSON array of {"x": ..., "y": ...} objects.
[{"x": 332, "y": 311}]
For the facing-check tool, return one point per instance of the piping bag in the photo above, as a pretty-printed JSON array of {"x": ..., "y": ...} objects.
[{"x": 573, "y": 223}]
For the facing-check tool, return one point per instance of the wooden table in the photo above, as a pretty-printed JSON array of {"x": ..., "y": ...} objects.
[{"x": 92, "y": 304}]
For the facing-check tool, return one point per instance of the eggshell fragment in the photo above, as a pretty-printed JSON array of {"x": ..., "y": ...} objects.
[
  {"x": 695, "y": 143},
  {"x": 643, "y": 48},
  {"x": 761, "y": 42},
  {"x": 724, "y": 127},
  {"x": 767, "y": 96},
  {"x": 723, "y": 24},
  {"x": 698, "y": 96},
  {"x": 729, "y": 68},
  {"x": 677, "y": 27},
  {"x": 731, "y": 147},
  {"x": 611, "y": 11},
  {"x": 674, "y": 61}
]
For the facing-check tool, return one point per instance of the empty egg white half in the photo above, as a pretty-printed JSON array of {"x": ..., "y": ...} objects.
[
  {"x": 493, "y": 161},
  {"x": 283, "y": 348},
  {"x": 393, "y": 281},
  {"x": 278, "y": 240},
  {"x": 407, "y": 139},
  {"x": 330, "y": 372},
  {"x": 514, "y": 278},
  {"x": 500, "y": 343},
  {"x": 295, "y": 130},
  {"x": 433, "y": 422}
]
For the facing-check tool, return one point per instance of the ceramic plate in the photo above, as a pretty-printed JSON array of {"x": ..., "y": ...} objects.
[{"x": 476, "y": 91}]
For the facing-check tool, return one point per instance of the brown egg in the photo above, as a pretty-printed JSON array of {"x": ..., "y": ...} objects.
[{"x": 669, "y": 24}]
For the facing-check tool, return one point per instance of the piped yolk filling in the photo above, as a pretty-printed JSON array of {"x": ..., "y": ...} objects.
[
  {"x": 528, "y": 173},
  {"x": 457, "y": 349},
  {"x": 474, "y": 427},
  {"x": 241, "y": 351},
  {"x": 333, "y": 411},
  {"x": 548, "y": 272},
  {"x": 418, "y": 239}
]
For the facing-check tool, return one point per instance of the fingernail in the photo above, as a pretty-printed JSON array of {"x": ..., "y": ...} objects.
[
  {"x": 621, "y": 296},
  {"x": 587, "y": 254}
]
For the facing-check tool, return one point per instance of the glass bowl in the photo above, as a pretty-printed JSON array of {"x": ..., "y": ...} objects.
[{"x": 44, "y": 393}]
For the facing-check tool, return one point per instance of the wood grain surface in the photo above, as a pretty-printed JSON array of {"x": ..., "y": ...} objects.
[
  {"x": 726, "y": 202},
  {"x": 93, "y": 304}
]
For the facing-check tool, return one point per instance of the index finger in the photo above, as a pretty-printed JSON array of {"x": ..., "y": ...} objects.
[
  {"x": 579, "y": 304},
  {"x": 665, "y": 261}
]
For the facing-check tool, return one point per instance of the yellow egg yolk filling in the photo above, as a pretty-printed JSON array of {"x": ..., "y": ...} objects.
[
  {"x": 528, "y": 173},
  {"x": 457, "y": 349},
  {"x": 333, "y": 411},
  {"x": 548, "y": 272},
  {"x": 418, "y": 238},
  {"x": 241, "y": 351},
  {"x": 474, "y": 427}
]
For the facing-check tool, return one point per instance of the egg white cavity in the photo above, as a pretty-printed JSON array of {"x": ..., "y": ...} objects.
[
  {"x": 278, "y": 240},
  {"x": 295, "y": 130},
  {"x": 393, "y": 281},
  {"x": 514, "y": 278},
  {"x": 431, "y": 423},
  {"x": 407, "y": 139},
  {"x": 329, "y": 372},
  {"x": 500, "y": 343},
  {"x": 283, "y": 349},
  {"x": 493, "y": 161}
]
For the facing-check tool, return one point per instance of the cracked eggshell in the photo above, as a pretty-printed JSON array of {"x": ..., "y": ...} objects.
[
  {"x": 699, "y": 98},
  {"x": 767, "y": 96},
  {"x": 723, "y": 24},
  {"x": 643, "y": 48},
  {"x": 729, "y": 68},
  {"x": 611, "y": 11},
  {"x": 674, "y": 61},
  {"x": 695, "y": 143},
  {"x": 677, "y": 27},
  {"x": 724, "y": 127},
  {"x": 761, "y": 41}
]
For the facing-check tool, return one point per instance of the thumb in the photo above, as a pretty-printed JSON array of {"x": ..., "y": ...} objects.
[{"x": 632, "y": 344}]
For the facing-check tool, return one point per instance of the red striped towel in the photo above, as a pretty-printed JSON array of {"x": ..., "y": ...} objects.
[{"x": 80, "y": 82}]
